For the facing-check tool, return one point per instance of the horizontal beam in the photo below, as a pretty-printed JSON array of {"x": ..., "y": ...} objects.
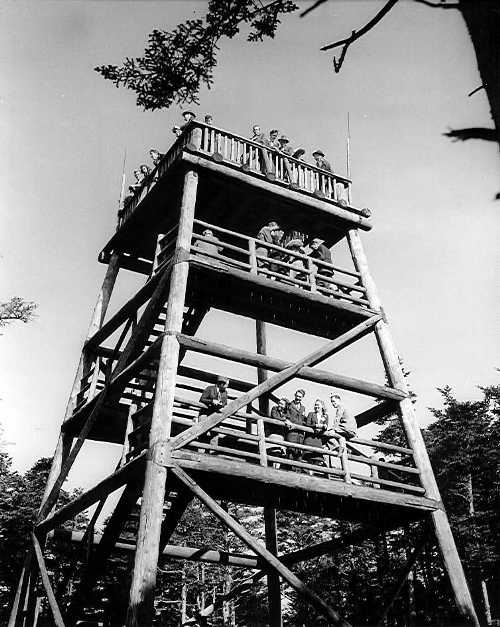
[
  {"x": 171, "y": 551},
  {"x": 84, "y": 501},
  {"x": 271, "y": 363},
  {"x": 350, "y": 218},
  {"x": 376, "y": 412},
  {"x": 281, "y": 479}
]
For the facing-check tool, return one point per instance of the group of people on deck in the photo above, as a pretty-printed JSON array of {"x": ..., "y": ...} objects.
[
  {"x": 325, "y": 429},
  {"x": 282, "y": 144}
]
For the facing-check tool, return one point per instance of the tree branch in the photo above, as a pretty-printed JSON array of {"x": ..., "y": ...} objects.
[
  {"x": 311, "y": 8},
  {"x": 357, "y": 34},
  {"x": 463, "y": 134},
  {"x": 438, "y": 5}
]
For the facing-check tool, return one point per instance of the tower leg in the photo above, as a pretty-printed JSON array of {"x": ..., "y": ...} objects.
[
  {"x": 140, "y": 611},
  {"x": 273, "y": 580},
  {"x": 394, "y": 371}
]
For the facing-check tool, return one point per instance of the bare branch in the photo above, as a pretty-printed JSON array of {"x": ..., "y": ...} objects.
[
  {"x": 355, "y": 35},
  {"x": 362, "y": 31},
  {"x": 311, "y": 8},
  {"x": 477, "y": 89},
  {"x": 463, "y": 134},
  {"x": 438, "y": 5}
]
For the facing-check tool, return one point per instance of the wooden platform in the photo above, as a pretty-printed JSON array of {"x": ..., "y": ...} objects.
[
  {"x": 229, "y": 197},
  {"x": 251, "y": 484}
]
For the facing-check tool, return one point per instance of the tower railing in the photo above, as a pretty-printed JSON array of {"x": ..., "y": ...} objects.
[
  {"x": 277, "y": 263},
  {"x": 255, "y": 158}
]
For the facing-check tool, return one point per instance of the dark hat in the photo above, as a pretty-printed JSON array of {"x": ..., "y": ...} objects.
[
  {"x": 189, "y": 113},
  {"x": 299, "y": 152},
  {"x": 319, "y": 152},
  {"x": 221, "y": 379},
  {"x": 283, "y": 138},
  {"x": 275, "y": 130}
]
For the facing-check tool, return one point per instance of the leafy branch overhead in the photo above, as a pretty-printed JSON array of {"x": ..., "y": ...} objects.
[{"x": 177, "y": 63}]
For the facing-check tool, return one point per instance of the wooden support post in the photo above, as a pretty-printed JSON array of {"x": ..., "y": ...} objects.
[
  {"x": 272, "y": 561},
  {"x": 56, "y": 614},
  {"x": 275, "y": 381},
  {"x": 273, "y": 580},
  {"x": 396, "y": 377},
  {"x": 141, "y": 609}
]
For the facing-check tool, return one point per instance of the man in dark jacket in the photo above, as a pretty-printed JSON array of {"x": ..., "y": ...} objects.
[
  {"x": 321, "y": 162},
  {"x": 322, "y": 253},
  {"x": 214, "y": 397},
  {"x": 295, "y": 417}
]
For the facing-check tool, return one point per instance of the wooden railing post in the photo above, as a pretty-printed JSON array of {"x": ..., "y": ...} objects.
[
  {"x": 141, "y": 604},
  {"x": 312, "y": 274},
  {"x": 253, "y": 256},
  {"x": 414, "y": 436}
]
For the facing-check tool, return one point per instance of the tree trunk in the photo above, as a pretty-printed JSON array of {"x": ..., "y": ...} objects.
[{"x": 482, "y": 18}]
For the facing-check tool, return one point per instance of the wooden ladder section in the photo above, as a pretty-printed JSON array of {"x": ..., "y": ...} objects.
[{"x": 139, "y": 394}]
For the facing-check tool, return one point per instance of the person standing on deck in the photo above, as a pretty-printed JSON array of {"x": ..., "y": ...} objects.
[
  {"x": 214, "y": 397},
  {"x": 258, "y": 136},
  {"x": 209, "y": 119},
  {"x": 320, "y": 252},
  {"x": 276, "y": 432},
  {"x": 268, "y": 234},
  {"x": 284, "y": 146},
  {"x": 317, "y": 420},
  {"x": 321, "y": 162},
  {"x": 295, "y": 417},
  {"x": 273, "y": 139},
  {"x": 156, "y": 156}
]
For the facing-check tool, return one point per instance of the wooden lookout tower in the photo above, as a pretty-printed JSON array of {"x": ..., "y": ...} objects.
[{"x": 134, "y": 389}]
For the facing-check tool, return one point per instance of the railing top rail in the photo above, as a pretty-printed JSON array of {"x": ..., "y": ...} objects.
[
  {"x": 247, "y": 140},
  {"x": 276, "y": 247}
]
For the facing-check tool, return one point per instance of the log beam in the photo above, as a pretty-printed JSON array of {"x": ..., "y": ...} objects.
[
  {"x": 273, "y": 562},
  {"x": 414, "y": 436},
  {"x": 273, "y": 382}
]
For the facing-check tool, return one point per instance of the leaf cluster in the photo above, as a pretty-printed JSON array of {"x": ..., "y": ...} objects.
[{"x": 177, "y": 63}]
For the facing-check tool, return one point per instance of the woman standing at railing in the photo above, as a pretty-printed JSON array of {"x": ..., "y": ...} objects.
[{"x": 318, "y": 421}]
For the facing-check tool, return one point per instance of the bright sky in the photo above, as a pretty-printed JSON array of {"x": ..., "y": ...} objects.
[{"x": 434, "y": 247}]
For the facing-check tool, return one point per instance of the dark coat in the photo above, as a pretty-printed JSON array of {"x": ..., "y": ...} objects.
[
  {"x": 297, "y": 416},
  {"x": 276, "y": 414},
  {"x": 210, "y": 394},
  {"x": 322, "y": 253}
]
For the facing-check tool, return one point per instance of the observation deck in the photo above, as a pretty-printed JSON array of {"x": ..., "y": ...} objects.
[{"x": 243, "y": 183}]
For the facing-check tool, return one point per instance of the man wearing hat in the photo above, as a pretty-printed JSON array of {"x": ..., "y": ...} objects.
[
  {"x": 321, "y": 162},
  {"x": 285, "y": 147},
  {"x": 188, "y": 116},
  {"x": 214, "y": 397}
]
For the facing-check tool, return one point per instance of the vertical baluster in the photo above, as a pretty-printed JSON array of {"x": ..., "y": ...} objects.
[
  {"x": 204, "y": 138},
  {"x": 95, "y": 379},
  {"x": 262, "y": 441},
  {"x": 252, "y": 256},
  {"x": 335, "y": 195}
]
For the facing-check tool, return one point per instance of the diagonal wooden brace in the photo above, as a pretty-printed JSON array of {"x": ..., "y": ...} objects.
[
  {"x": 274, "y": 381},
  {"x": 273, "y": 562},
  {"x": 56, "y": 613}
]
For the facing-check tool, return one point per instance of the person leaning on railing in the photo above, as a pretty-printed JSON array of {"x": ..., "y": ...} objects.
[
  {"x": 276, "y": 432},
  {"x": 341, "y": 426},
  {"x": 321, "y": 162},
  {"x": 269, "y": 233},
  {"x": 322, "y": 253}
]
